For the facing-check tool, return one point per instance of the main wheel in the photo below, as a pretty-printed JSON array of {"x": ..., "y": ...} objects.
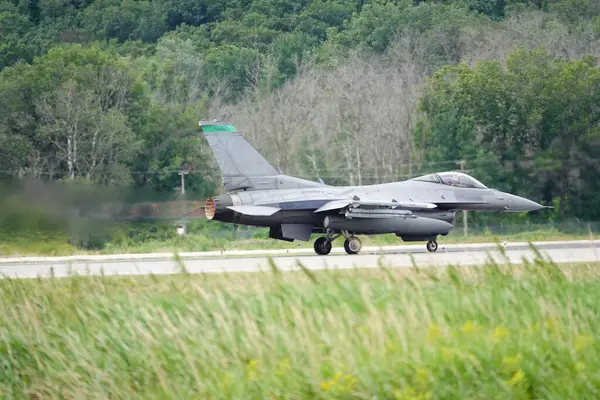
[
  {"x": 352, "y": 245},
  {"x": 432, "y": 245},
  {"x": 322, "y": 246}
]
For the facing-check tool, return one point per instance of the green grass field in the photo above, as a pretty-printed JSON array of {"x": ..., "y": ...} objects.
[
  {"x": 58, "y": 244},
  {"x": 204, "y": 243},
  {"x": 493, "y": 332}
]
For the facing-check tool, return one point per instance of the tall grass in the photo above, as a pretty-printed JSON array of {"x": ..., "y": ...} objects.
[{"x": 497, "y": 331}]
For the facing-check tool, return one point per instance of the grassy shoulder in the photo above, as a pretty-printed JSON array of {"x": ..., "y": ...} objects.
[
  {"x": 60, "y": 244},
  {"x": 492, "y": 332},
  {"x": 200, "y": 243}
]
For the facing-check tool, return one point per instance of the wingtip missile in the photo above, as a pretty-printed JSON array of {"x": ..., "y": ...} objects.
[{"x": 394, "y": 204}]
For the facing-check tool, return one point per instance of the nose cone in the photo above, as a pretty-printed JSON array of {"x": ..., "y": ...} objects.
[{"x": 520, "y": 204}]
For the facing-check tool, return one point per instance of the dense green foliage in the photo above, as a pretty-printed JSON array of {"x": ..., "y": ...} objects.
[
  {"x": 495, "y": 332},
  {"x": 539, "y": 117},
  {"x": 353, "y": 91}
]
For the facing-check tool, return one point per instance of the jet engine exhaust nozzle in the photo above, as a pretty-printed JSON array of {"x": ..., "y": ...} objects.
[
  {"x": 210, "y": 208},
  {"x": 215, "y": 208}
]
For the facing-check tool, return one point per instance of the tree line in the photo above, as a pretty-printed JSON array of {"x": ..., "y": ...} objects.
[{"x": 109, "y": 92}]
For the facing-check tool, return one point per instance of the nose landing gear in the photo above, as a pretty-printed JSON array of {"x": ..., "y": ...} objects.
[{"x": 432, "y": 246}]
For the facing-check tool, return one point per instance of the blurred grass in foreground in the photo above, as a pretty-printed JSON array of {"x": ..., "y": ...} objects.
[{"x": 498, "y": 331}]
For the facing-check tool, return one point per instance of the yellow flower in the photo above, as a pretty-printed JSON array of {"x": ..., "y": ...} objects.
[
  {"x": 433, "y": 332},
  {"x": 252, "y": 364},
  {"x": 406, "y": 393},
  {"x": 339, "y": 384},
  {"x": 351, "y": 380},
  {"x": 553, "y": 324},
  {"x": 500, "y": 334},
  {"x": 583, "y": 341},
  {"x": 411, "y": 394},
  {"x": 470, "y": 327},
  {"x": 252, "y": 370},
  {"x": 421, "y": 377},
  {"x": 516, "y": 378},
  {"x": 448, "y": 353},
  {"x": 284, "y": 364},
  {"x": 531, "y": 330},
  {"x": 512, "y": 362}
]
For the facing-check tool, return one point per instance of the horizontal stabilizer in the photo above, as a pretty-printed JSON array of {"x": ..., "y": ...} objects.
[{"x": 255, "y": 210}]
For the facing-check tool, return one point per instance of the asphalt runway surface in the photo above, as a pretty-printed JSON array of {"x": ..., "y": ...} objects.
[{"x": 287, "y": 259}]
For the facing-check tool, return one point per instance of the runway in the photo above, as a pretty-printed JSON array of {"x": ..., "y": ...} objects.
[{"x": 257, "y": 260}]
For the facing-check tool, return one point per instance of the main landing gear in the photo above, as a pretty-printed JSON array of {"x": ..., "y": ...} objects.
[
  {"x": 352, "y": 244},
  {"x": 322, "y": 246}
]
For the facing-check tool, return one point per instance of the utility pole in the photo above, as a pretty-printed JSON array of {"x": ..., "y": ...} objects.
[
  {"x": 183, "y": 174},
  {"x": 182, "y": 228},
  {"x": 465, "y": 224}
]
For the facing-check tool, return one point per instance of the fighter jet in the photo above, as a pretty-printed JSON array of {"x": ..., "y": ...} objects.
[{"x": 418, "y": 209}]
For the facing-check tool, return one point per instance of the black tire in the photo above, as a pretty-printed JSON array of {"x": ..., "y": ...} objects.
[
  {"x": 348, "y": 246},
  {"x": 432, "y": 246},
  {"x": 322, "y": 246}
]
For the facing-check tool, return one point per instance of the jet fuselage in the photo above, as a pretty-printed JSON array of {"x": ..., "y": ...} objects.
[
  {"x": 297, "y": 206},
  {"x": 416, "y": 209}
]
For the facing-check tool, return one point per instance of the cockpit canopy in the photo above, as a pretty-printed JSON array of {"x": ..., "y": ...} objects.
[{"x": 450, "y": 178}]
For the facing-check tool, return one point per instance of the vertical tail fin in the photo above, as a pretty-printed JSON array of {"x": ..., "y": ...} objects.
[
  {"x": 243, "y": 167},
  {"x": 238, "y": 161}
]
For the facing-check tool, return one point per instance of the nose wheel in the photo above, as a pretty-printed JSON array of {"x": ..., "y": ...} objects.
[{"x": 432, "y": 246}]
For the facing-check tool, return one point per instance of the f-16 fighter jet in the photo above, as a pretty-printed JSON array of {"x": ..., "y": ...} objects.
[{"x": 418, "y": 209}]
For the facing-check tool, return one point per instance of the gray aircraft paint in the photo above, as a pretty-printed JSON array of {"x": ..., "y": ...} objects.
[{"x": 294, "y": 208}]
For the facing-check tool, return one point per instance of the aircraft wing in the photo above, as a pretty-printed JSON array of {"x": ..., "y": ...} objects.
[
  {"x": 254, "y": 210},
  {"x": 333, "y": 205}
]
